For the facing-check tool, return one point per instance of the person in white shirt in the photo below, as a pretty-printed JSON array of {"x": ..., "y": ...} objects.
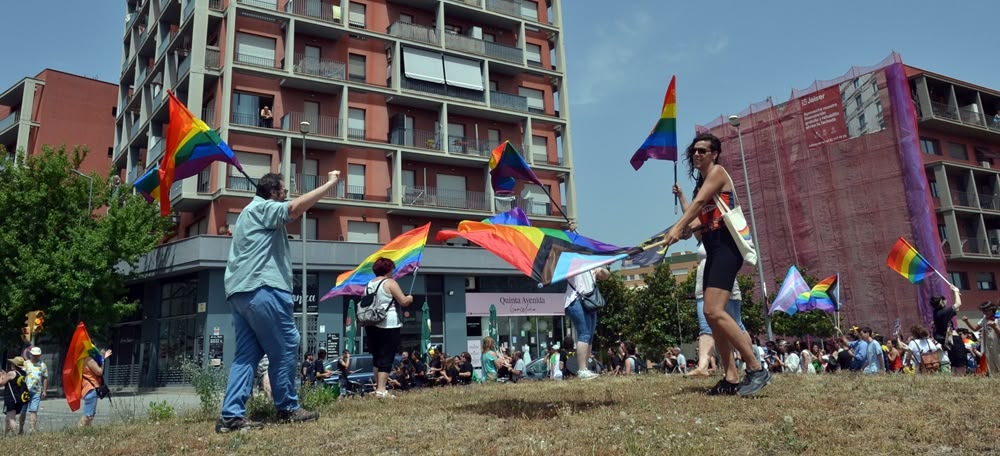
[{"x": 584, "y": 321}]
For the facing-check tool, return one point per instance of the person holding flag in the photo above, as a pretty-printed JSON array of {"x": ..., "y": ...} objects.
[
  {"x": 723, "y": 260},
  {"x": 258, "y": 283}
]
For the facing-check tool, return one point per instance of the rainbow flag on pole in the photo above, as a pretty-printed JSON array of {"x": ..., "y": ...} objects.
[
  {"x": 405, "y": 251},
  {"x": 661, "y": 144},
  {"x": 191, "y": 146},
  {"x": 905, "y": 260},
  {"x": 506, "y": 166},
  {"x": 824, "y": 296},
  {"x": 80, "y": 348}
]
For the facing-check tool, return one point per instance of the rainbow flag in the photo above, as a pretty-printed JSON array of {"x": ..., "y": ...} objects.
[
  {"x": 515, "y": 216},
  {"x": 905, "y": 260},
  {"x": 405, "y": 251},
  {"x": 506, "y": 166},
  {"x": 546, "y": 255},
  {"x": 191, "y": 146},
  {"x": 661, "y": 144},
  {"x": 791, "y": 288},
  {"x": 80, "y": 348},
  {"x": 824, "y": 296}
]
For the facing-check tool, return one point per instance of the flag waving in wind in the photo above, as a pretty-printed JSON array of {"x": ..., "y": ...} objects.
[
  {"x": 405, "y": 251},
  {"x": 506, "y": 166},
  {"x": 81, "y": 348},
  {"x": 905, "y": 260},
  {"x": 791, "y": 288},
  {"x": 661, "y": 144},
  {"x": 824, "y": 296},
  {"x": 191, "y": 146}
]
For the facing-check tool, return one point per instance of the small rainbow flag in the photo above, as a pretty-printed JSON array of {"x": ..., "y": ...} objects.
[
  {"x": 506, "y": 166},
  {"x": 661, "y": 144},
  {"x": 405, "y": 251},
  {"x": 191, "y": 146},
  {"x": 824, "y": 296},
  {"x": 905, "y": 260},
  {"x": 80, "y": 348}
]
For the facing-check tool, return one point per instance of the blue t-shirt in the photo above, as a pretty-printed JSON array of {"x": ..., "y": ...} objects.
[{"x": 258, "y": 256}]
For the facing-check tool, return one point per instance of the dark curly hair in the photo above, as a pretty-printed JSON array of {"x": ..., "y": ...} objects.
[
  {"x": 715, "y": 145},
  {"x": 267, "y": 184},
  {"x": 383, "y": 266}
]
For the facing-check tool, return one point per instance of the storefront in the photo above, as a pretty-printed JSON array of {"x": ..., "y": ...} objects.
[{"x": 530, "y": 322}]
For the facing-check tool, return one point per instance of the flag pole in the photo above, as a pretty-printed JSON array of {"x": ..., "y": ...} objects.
[
  {"x": 925, "y": 261},
  {"x": 568, "y": 222},
  {"x": 676, "y": 197}
]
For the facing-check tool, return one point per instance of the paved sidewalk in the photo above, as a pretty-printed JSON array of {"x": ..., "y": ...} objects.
[{"x": 54, "y": 413}]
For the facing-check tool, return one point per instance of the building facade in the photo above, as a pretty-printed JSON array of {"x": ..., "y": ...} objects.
[
  {"x": 54, "y": 108},
  {"x": 406, "y": 98},
  {"x": 681, "y": 265}
]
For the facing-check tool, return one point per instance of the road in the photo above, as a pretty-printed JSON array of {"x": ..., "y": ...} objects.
[{"x": 54, "y": 413}]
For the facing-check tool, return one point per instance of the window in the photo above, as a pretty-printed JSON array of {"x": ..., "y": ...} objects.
[
  {"x": 534, "y": 53},
  {"x": 959, "y": 279},
  {"x": 453, "y": 29},
  {"x": 539, "y": 149},
  {"x": 356, "y": 67},
  {"x": 246, "y": 108},
  {"x": 856, "y": 83},
  {"x": 934, "y": 189},
  {"x": 930, "y": 146},
  {"x": 529, "y": 10},
  {"x": 862, "y": 123},
  {"x": 312, "y": 227},
  {"x": 875, "y": 86},
  {"x": 255, "y": 50},
  {"x": 356, "y": 124},
  {"x": 942, "y": 232},
  {"x": 493, "y": 138},
  {"x": 355, "y": 181},
  {"x": 489, "y": 37},
  {"x": 464, "y": 73},
  {"x": 878, "y": 106},
  {"x": 362, "y": 232},
  {"x": 494, "y": 87},
  {"x": 985, "y": 281},
  {"x": 456, "y": 137},
  {"x": 536, "y": 100},
  {"x": 957, "y": 151},
  {"x": 857, "y": 101},
  {"x": 405, "y": 18},
  {"x": 356, "y": 15}
]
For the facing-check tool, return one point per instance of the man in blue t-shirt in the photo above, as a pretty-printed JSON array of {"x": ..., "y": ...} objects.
[{"x": 258, "y": 284}]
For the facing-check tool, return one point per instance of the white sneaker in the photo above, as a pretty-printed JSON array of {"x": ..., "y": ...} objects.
[{"x": 586, "y": 374}]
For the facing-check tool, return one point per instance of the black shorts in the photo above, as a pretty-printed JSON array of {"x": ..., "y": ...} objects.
[
  {"x": 383, "y": 344},
  {"x": 723, "y": 261},
  {"x": 9, "y": 406}
]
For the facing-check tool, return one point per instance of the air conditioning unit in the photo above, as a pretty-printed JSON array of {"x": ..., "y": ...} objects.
[
  {"x": 476, "y": 32},
  {"x": 470, "y": 283},
  {"x": 984, "y": 164},
  {"x": 336, "y": 13}
]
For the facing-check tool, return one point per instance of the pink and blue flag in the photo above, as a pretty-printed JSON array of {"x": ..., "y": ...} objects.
[{"x": 791, "y": 288}]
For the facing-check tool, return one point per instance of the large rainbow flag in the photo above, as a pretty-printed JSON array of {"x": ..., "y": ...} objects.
[
  {"x": 661, "y": 144},
  {"x": 191, "y": 146},
  {"x": 405, "y": 250},
  {"x": 80, "y": 348},
  {"x": 824, "y": 296},
  {"x": 905, "y": 260},
  {"x": 546, "y": 255},
  {"x": 515, "y": 216},
  {"x": 506, "y": 166}
]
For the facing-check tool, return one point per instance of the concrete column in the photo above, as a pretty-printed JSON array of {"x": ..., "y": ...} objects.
[
  {"x": 924, "y": 98},
  {"x": 491, "y": 202},
  {"x": 444, "y": 129},
  {"x": 290, "y": 48},
  {"x": 526, "y": 142},
  {"x": 486, "y": 77},
  {"x": 228, "y": 49},
  {"x": 570, "y": 198},
  {"x": 286, "y": 162},
  {"x": 397, "y": 178},
  {"x": 397, "y": 64},
  {"x": 27, "y": 114},
  {"x": 344, "y": 115},
  {"x": 439, "y": 28}
]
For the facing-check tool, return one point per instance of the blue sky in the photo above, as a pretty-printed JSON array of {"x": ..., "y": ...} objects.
[{"x": 726, "y": 55}]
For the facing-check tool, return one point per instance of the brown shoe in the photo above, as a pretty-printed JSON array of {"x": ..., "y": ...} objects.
[{"x": 298, "y": 416}]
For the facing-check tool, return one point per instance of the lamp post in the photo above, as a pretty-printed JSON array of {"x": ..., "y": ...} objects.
[
  {"x": 90, "y": 210},
  {"x": 304, "y": 129},
  {"x": 735, "y": 121}
]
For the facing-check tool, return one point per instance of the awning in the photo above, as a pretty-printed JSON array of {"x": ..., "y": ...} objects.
[
  {"x": 463, "y": 73},
  {"x": 423, "y": 65}
]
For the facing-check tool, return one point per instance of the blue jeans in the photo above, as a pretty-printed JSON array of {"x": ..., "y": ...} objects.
[
  {"x": 733, "y": 308},
  {"x": 90, "y": 403},
  {"x": 264, "y": 323},
  {"x": 584, "y": 322}
]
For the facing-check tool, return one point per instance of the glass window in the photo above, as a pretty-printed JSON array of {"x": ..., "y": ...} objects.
[
  {"x": 930, "y": 146},
  {"x": 959, "y": 279},
  {"x": 986, "y": 281},
  {"x": 356, "y": 15},
  {"x": 405, "y": 18},
  {"x": 356, "y": 68},
  {"x": 957, "y": 151}
]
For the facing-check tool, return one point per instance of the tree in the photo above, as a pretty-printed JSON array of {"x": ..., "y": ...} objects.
[
  {"x": 615, "y": 319},
  {"x": 59, "y": 256},
  {"x": 753, "y": 310}
]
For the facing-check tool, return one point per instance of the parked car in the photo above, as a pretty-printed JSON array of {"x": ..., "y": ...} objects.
[{"x": 362, "y": 367}]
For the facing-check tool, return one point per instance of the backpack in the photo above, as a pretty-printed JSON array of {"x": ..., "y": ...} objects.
[
  {"x": 370, "y": 314},
  {"x": 18, "y": 389}
]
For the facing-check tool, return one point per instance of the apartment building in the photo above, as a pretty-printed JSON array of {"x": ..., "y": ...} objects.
[
  {"x": 406, "y": 98},
  {"x": 681, "y": 264},
  {"x": 54, "y": 108}
]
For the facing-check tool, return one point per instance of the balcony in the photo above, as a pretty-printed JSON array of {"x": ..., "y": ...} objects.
[
  {"x": 504, "y": 52},
  {"x": 133, "y": 130},
  {"x": 413, "y": 32},
  {"x": 329, "y": 69},
  {"x": 989, "y": 202},
  {"x": 504, "y": 7},
  {"x": 240, "y": 183},
  {"x": 971, "y": 117},
  {"x": 314, "y": 9},
  {"x": 265, "y": 4},
  {"x": 250, "y": 119},
  {"x": 318, "y": 125},
  {"x": 9, "y": 121},
  {"x": 943, "y": 110},
  {"x": 361, "y": 134},
  {"x": 164, "y": 44},
  {"x": 216, "y": 5},
  {"x": 479, "y": 47},
  {"x": 253, "y": 60},
  {"x": 469, "y": 146},
  {"x": 208, "y": 116},
  {"x": 441, "y": 89},
  {"x": 213, "y": 59},
  {"x": 975, "y": 246},
  {"x": 508, "y": 101},
  {"x": 176, "y": 189},
  {"x": 156, "y": 151},
  {"x": 188, "y": 10},
  {"x": 453, "y": 199},
  {"x": 184, "y": 66},
  {"x": 419, "y": 139},
  {"x": 476, "y": 3},
  {"x": 964, "y": 199}
]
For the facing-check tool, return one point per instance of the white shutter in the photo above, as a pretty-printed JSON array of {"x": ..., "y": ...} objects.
[
  {"x": 362, "y": 232},
  {"x": 529, "y": 10},
  {"x": 536, "y": 98},
  {"x": 534, "y": 53},
  {"x": 256, "y": 165},
  {"x": 539, "y": 148},
  {"x": 423, "y": 65},
  {"x": 355, "y": 181},
  {"x": 463, "y": 73},
  {"x": 356, "y": 14},
  {"x": 451, "y": 191},
  {"x": 356, "y": 123},
  {"x": 258, "y": 49}
]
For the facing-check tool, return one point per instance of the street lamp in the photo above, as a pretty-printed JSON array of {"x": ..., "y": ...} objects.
[
  {"x": 304, "y": 129},
  {"x": 735, "y": 121}
]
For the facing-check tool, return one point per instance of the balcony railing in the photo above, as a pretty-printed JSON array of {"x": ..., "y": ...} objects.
[
  {"x": 469, "y": 146},
  {"x": 188, "y": 10},
  {"x": 156, "y": 151},
  {"x": 215, "y": 5},
  {"x": 508, "y": 101},
  {"x": 504, "y": 6},
  {"x": 10, "y": 120},
  {"x": 965, "y": 199},
  {"x": 413, "y": 32},
  {"x": 975, "y": 246},
  {"x": 318, "y": 125},
  {"x": 329, "y": 69},
  {"x": 133, "y": 130},
  {"x": 176, "y": 189},
  {"x": 362, "y": 134},
  {"x": 240, "y": 183},
  {"x": 313, "y": 9},
  {"x": 251, "y": 119},
  {"x": 464, "y": 43},
  {"x": 306, "y": 183},
  {"x": 184, "y": 66},
  {"x": 420, "y": 139},
  {"x": 989, "y": 202},
  {"x": 504, "y": 52},
  {"x": 254, "y": 60},
  {"x": 435, "y": 197},
  {"x": 164, "y": 43},
  {"x": 213, "y": 59},
  {"x": 132, "y": 175},
  {"x": 208, "y": 116},
  {"x": 972, "y": 117},
  {"x": 943, "y": 110},
  {"x": 441, "y": 89},
  {"x": 266, "y": 4},
  {"x": 204, "y": 180},
  {"x": 994, "y": 123},
  {"x": 476, "y": 3}
]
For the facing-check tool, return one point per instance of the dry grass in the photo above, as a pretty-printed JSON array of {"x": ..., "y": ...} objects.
[{"x": 652, "y": 414}]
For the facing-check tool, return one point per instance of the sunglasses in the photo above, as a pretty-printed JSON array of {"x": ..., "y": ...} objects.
[{"x": 700, "y": 151}]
